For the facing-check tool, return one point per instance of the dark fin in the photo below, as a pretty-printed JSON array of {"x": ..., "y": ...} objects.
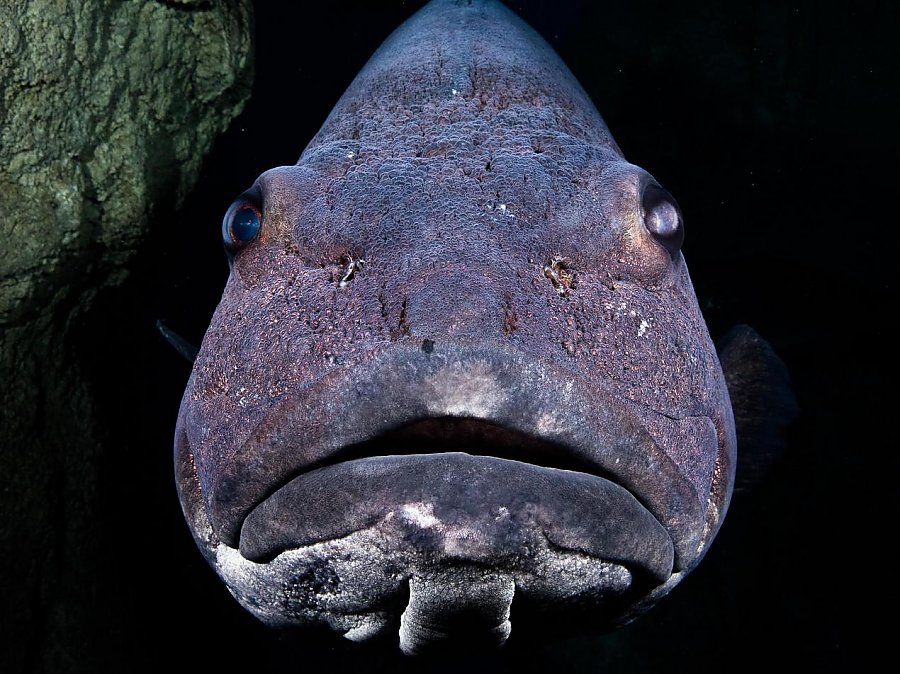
[
  {"x": 764, "y": 404},
  {"x": 180, "y": 344}
]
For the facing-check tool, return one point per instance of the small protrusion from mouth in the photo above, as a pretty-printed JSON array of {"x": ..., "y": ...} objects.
[{"x": 463, "y": 605}]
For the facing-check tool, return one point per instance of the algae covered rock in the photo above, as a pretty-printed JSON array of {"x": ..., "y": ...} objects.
[{"x": 107, "y": 110}]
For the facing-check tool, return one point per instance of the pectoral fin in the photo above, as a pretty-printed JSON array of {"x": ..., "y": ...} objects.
[
  {"x": 179, "y": 343},
  {"x": 762, "y": 399}
]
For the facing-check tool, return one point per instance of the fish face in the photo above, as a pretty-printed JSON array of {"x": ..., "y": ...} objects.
[{"x": 458, "y": 380}]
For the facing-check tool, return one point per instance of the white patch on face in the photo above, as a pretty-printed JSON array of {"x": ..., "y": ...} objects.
[
  {"x": 420, "y": 514},
  {"x": 230, "y": 562},
  {"x": 549, "y": 424},
  {"x": 368, "y": 628},
  {"x": 621, "y": 309},
  {"x": 504, "y": 209},
  {"x": 245, "y": 397},
  {"x": 454, "y": 92},
  {"x": 470, "y": 390}
]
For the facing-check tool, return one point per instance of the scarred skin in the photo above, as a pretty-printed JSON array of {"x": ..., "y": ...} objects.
[{"x": 462, "y": 239}]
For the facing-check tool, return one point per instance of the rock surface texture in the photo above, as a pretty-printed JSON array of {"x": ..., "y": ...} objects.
[{"x": 106, "y": 113}]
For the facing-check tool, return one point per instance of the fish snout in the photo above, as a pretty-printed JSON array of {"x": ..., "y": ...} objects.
[{"x": 460, "y": 301}]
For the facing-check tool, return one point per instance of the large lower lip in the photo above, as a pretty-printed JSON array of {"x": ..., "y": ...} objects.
[{"x": 465, "y": 507}]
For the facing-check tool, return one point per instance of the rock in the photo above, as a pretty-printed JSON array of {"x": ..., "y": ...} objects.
[{"x": 106, "y": 113}]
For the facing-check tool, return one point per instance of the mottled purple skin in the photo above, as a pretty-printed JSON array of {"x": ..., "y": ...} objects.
[{"x": 461, "y": 162}]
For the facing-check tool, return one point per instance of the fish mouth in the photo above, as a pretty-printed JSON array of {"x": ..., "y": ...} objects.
[
  {"x": 462, "y": 490},
  {"x": 477, "y": 451}
]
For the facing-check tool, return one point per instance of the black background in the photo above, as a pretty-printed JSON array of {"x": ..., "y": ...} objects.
[{"x": 773, "y": 124}]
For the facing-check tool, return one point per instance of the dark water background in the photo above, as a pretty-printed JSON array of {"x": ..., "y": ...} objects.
[{"x": 774, "y": 125}]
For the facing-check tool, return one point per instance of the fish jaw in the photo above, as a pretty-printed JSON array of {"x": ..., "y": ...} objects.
[{"x": 425, "y": 466}]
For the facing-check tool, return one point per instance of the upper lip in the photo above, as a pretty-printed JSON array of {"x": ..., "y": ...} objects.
[{"x": 350, "y": 414}]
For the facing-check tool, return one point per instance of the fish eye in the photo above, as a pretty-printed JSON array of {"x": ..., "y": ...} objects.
[
  {"x": 242, "y": 222},
  {"x": 662, "y": 218}
]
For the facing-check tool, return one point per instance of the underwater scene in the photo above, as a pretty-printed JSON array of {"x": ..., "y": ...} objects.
[{"x": 359, "y": 336}]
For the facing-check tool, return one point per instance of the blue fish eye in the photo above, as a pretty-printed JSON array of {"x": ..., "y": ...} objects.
[
  {"x": 662, "y": 218},
  {"x": 242, "y": 223}
]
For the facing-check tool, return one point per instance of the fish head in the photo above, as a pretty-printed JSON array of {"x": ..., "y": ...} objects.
[{"x": 458, "y": 379}]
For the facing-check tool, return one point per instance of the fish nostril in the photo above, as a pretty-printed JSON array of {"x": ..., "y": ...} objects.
[
  {"x": 561, "y": 274},
  {"x": 352, "y": 266}
]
